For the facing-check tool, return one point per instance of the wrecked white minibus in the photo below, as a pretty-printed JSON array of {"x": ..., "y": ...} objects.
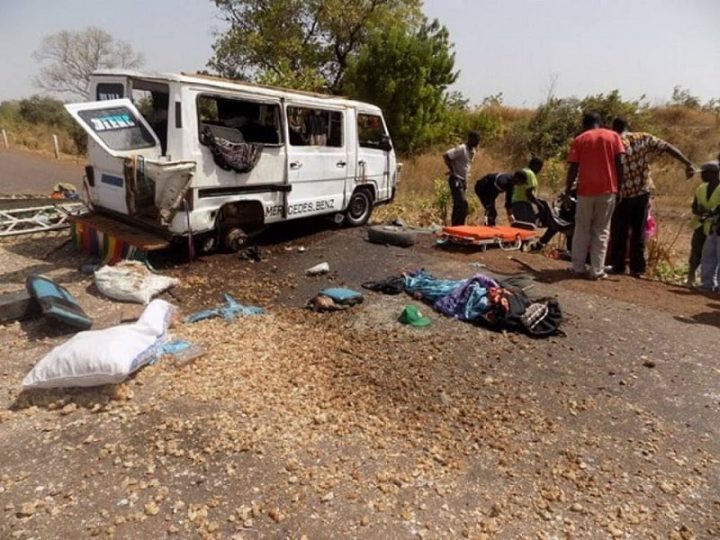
[{"x": 216, "y": 159}]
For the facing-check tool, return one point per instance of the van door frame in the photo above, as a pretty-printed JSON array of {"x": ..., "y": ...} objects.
[{"x": 339, "y": 161}]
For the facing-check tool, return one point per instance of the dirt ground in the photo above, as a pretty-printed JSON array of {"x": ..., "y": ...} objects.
[{"x": 304, "y": 425}]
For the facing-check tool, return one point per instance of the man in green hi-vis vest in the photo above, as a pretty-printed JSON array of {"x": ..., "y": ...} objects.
[
  {"x": 524, "y": 195},
  {"x": 707, "y": 199}
]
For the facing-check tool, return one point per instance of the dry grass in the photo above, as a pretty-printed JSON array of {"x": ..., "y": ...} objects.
[
  {"x": 509, "y": 115},
  {"x": 422, "y": 189},
  {"x": 38, "y": 138},
  {"x": 695, "y": 132},
  {"x": 423, "y": 199}
]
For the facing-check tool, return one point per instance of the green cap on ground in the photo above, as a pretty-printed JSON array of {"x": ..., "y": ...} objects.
[{"x": 411, "y": 315}]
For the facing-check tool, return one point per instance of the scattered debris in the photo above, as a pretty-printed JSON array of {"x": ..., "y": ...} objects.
[
  {"x": 229, "y": 311},
  {"x": 131, "y": 281},
  {"x": 413, "y": 316},
  {"x": 17, "y": 306},
  {"x": 334, "y": 299},
  {"x": 318, "y": 269},
  {"x": 57, "y": 302},
  {"x": 251, "y": 253},
  {"x": 106, "y": 356}
]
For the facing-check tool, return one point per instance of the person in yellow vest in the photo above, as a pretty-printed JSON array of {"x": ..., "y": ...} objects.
[
  {"x": 706, "y": 195},
  {"x": 705, "y": 204},
  {"x": 523, "y": 196}
]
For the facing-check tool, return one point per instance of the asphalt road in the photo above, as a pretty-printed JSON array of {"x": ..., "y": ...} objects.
[
  {"x": 28, "y": 173},
  {"x": 610, "y": 431},
  {"x": 351, "y": 424}
]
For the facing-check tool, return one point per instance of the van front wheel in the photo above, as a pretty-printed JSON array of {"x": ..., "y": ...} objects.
[{"x": 359, "y": 209}]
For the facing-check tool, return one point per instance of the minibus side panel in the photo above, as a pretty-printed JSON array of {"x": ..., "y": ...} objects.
[{"x": 317, "y": 158}]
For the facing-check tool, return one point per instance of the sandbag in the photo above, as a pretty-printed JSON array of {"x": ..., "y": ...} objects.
[
  {"x": 131, "y": 281},
  {"x": 108, "y": 356}
]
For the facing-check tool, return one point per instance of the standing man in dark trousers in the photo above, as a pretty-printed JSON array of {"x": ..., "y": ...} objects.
[
  {"x": 595, "y": 161},
  {"x": 631, "y": 211},
  {"x": 458, "y": 162}
]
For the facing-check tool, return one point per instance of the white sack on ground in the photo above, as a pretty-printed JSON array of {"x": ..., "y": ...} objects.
[
  {"x": 131, "y": 281},
  {"x": 107, "y": 356}
]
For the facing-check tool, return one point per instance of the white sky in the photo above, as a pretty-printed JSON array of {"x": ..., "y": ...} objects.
[{"x": 511, "y": 46}]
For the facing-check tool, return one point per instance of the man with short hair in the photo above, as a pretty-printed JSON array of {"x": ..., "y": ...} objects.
[
  {"x": 595, "y": 161},
  {"x": 458, "y": 162},
  {"x": 631, "y": 211},
  {"x": 492, "y": 185}
]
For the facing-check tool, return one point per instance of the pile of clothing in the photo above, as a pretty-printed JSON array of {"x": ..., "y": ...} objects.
[
  {"x": 483, "y": 300},
  {"x": 231, "y": 156}
]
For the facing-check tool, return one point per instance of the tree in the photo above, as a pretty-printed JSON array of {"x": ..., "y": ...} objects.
[
  {"x": 72, "y": 57},
  {"x": 713, "y": 105},
  {"x": 303, "y": 44},
  {"x": 407, "y": 75},
  {"x": 681, "y": 97}
]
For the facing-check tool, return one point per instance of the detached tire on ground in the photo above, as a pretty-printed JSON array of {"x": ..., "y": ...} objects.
[{"x": 391, "y": 234}]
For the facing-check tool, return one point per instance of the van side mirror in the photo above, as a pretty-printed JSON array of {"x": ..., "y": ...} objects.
[{"x": 385, "y": 144}]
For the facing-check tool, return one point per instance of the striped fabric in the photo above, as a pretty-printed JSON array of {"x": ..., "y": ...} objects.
[{"x": 109, "y": 248}]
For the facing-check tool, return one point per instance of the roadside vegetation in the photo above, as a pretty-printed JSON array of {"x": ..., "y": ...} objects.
[
  {"x": 510, "y": 137},
  {"x": 332, "y": 47}
]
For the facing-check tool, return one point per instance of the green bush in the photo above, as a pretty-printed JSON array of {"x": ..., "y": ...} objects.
[
  {"x": 9, "y": 112},
  {"x": 441, "y": 199},
  {"x": 556, "y": 122},
  {"x": 46, "y": 111}
]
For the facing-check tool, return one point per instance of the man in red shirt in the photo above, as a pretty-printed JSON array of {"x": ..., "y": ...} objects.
[{"x": 596, "y": 162}]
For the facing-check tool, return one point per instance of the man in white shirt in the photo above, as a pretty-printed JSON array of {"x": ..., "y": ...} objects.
[{"x": 458, "y": 162}]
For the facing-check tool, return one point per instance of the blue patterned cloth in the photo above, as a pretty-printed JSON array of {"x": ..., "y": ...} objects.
[
  {"x": 229, "y": 311},
  {"x": 464, "y": 299}
]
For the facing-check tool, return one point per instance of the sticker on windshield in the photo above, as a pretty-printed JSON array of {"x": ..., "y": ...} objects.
[
  {"x": 118, "y": 121},
  {"x": 118, "y": 128}
]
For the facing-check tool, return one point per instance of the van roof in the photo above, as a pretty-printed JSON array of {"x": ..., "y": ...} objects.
[{"x": 212, "y": 81}]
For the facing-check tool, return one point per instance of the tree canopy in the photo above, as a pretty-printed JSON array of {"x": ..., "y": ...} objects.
[
  {"x": 407, "y": 75},
  {"x": 302, "y": 44},
  {"x": 71, "y": 57}
]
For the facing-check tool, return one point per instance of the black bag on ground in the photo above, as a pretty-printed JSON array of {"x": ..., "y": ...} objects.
[{"x": 391, "y": 285}]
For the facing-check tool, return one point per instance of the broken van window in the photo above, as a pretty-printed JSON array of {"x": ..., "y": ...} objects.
[
  {"x": 370, "y": 130},
  {"x": 118, "y": 128},
  {"x": 315, "y": 127},
  {"x": 152, "y": 100},
  {"x": 238, "y": 120},
  {"x": 105, "y": 91}
]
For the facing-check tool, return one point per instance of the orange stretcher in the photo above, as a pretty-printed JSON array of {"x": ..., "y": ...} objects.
[{"x": 506, "y": 238}]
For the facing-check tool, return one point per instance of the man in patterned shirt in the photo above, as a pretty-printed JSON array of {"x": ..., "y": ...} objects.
[{"x": 631, "y": 211}]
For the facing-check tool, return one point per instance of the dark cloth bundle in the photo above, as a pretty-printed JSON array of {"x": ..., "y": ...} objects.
[{"x": 231, "y": 156}]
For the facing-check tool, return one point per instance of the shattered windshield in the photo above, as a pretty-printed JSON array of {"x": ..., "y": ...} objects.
[{"x": 118, "y": 128}]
